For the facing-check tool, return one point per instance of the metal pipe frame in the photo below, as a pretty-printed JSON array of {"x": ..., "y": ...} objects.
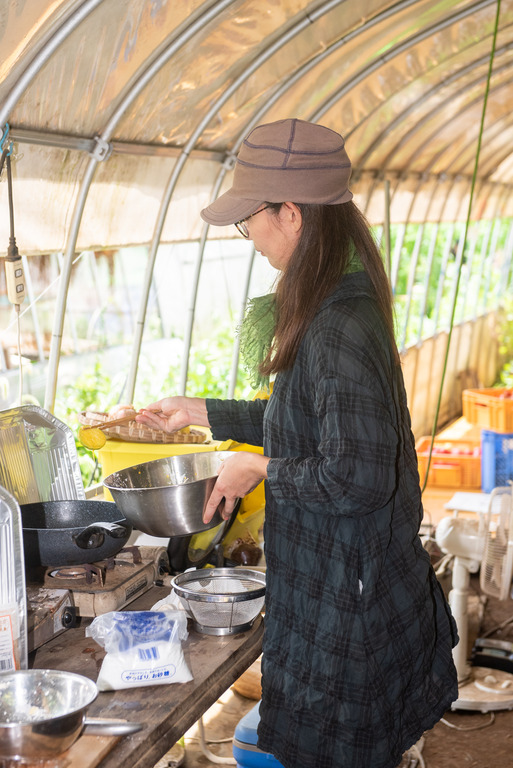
[
  {"x": 33, "y": 309},
  {"x": 148, "y": 72},
  {"x": 431, "y": 253},
  {"x": 236, "y": 347},
  {"x": 412, "y": 272},
  {"x": 413, "y": 108},
  {"x": 42, "y": 56},
  {"x": 437, "y": 309},
  {"x": 500, "y": 202},
  {"x": 86, "y": 144},
  {"x": 203, "y": 16},
  {"x": 472, "y": 238},
  {"x": 297, "y": 75},
  {"x": 261, "y": 59},
  {"x": 443, "y": 271},
  {"x": 497, "y": 125},
  {"x": 508, "y": 259},
  {"x": 427, "y": 280}
]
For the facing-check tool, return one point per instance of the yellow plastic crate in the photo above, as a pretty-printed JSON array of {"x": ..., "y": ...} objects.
[
  {"x": 454, "y": 463},
  {"x": 490, "y": 408},
  {"x": 250, "y": 517}
]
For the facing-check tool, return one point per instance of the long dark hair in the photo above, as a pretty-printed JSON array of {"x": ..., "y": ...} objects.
[{"x": 314, "y": 270}]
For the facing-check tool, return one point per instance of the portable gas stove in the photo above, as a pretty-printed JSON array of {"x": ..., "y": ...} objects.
[{"x": 58, "y": 595}]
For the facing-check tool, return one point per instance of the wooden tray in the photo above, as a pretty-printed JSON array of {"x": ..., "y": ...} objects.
[{"x": 86, "y": 752}]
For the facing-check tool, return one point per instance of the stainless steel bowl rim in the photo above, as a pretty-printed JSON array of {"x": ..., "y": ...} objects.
[
  {"x": 49, "y": 674},
  {"x": 154, "y": 497},
  {"x": 180, "y": 581},
  {"x": 154, "y": 487},
  {"x": 221, "y": 455}
]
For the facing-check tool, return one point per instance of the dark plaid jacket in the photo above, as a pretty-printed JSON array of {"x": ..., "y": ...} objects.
[{"x": 357, "y": 657}]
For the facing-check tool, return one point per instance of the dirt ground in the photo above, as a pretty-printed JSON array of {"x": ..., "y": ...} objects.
[
  {"x": 485, "y": 746},
  {"x": 476, "y": 740}
]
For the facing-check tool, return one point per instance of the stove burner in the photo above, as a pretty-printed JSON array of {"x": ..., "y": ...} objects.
[
  {"x": 89, "y": 572},
  {"x": 134, "y": 552},
  {"x": 90, "y": 589}
]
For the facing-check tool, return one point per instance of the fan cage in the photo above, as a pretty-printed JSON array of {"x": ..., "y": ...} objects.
[{"x": 497, "y": 563}]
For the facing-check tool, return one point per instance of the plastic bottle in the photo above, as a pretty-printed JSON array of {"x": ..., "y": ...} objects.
[{"x": 13, "y": 603}]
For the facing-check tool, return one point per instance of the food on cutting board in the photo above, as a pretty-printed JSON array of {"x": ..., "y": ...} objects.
[
  {"x": 115, "y": 414},
  {"x": 121, "y": 411}
]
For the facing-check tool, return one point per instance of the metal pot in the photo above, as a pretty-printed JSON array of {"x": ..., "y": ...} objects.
[
  {"x": 167, "y": 497},
  {"x": 72, "y": 532},
  {"x": 42, "y": 713}
]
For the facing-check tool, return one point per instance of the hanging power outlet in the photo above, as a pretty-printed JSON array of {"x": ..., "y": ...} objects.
[{"x": 15, "y": 280}]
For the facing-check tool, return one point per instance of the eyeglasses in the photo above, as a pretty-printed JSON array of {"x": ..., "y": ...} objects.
[{"x": 241, "y": 225}]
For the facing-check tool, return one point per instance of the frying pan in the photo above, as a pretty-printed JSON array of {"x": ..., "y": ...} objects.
[{"x": 72, "y": 532}]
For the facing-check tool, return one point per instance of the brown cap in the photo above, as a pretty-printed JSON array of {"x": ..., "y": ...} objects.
[{"x": 286, "y": 161}]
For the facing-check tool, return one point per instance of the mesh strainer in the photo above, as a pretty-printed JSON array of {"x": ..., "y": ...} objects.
[{"x": 221, "y": 601}]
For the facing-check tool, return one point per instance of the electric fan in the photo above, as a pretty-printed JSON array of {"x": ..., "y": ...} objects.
[{"x": 470, "y": 544}]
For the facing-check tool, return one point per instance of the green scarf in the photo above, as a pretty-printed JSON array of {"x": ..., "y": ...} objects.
[
  {"x": 256, "y": 334},
  {"x": 256, "y": 331}
]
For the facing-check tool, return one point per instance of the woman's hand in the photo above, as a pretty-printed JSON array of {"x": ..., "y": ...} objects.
[
  {"x": 173, "y": 413},
  {"x": 238, "y": 475}
]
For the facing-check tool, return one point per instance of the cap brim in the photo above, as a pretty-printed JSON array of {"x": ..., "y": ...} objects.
[{"x": 228, "y": 209}]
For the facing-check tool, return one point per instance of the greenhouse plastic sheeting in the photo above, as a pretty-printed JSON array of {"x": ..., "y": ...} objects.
[{"x": 171, "y": 88}]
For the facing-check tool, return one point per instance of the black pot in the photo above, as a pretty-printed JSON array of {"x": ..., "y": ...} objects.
[{"x": 72, "y": 532}]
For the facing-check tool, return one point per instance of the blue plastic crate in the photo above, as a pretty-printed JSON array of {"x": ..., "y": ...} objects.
[
  {"x": 496, "y": 459},
  {"x": 245, "y": 750}
]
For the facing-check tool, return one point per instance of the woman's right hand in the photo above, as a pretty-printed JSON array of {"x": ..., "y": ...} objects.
[{"x": 173, "y": 413}]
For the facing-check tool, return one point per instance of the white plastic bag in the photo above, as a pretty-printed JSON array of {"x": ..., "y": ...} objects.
[{"x": 143, "y": 648}]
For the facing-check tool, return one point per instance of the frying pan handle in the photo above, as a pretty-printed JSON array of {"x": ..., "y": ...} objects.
[
  {"x": 93, "y": 536},
  {"x": 98, "y": 727}
]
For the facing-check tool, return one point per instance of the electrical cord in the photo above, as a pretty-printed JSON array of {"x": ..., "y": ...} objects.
[
  {"x": 20, "y": 362},
  {"x": 2, "y": 159},
  {"x": 416, "y": 751},
  {"x": 45, "y": 290},
  {"x": 502, "y": 625},
  {"x": 12, "y": 251},
  {"x": 469, "y": 727},
  {"x": 208, "y": 754},
  {"x": 13, "y": 255}
]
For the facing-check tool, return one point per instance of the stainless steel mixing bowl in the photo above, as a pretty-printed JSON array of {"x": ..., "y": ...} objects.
[
  {"x": 42, "y": 713},
  {"x": 167, "y": 497}
]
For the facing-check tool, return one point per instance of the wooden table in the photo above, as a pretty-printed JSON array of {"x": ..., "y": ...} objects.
[{"x": 167, "y": 711}]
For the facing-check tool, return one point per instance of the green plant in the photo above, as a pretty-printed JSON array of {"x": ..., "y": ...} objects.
[
  {"x": 505, "y": 336},
  {"x": 92, "y": 388},
  {"x": 210, "y": 364}
]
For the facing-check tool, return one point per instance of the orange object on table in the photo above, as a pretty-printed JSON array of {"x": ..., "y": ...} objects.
[
  {"x": 490, "y": 408},
  {"x": 454, "y": 463}
]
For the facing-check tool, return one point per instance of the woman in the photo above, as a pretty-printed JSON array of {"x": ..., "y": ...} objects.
[{"x": 357, "y": 659}]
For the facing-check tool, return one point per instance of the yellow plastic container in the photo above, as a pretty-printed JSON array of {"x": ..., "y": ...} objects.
[{"x": 250, "y": 516}]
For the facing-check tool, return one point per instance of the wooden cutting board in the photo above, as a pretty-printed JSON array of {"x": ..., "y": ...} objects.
[{"x": 86, "y": 752}]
